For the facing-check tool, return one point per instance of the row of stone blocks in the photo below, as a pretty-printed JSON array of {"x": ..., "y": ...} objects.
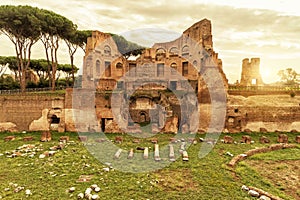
[
  {"x": 282, "y": 138},
  {"x": 46, "y": 136},
  {"x": 251, "y": 152},
  {"x": 182, "y": 151}
]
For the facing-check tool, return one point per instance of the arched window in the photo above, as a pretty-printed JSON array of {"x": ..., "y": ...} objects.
[
  {"x": 119, "y": 65},
  {"x": 174, "y": 51},
  {"x": 107, "y": 50},
  {"x": 160, "y": 54},
  {"x": 173, "y": 68},
  {"x": 98, "y": 67},
  {"x": 185, "y": 51}
]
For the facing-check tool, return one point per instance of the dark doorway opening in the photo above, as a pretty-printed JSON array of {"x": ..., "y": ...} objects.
[{"x": 55, "y": 119}]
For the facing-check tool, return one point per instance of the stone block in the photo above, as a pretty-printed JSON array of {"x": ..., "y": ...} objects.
[
  {"x": 298, "y": 139},
  {"x": 118, "y": 139},
  {"x": 46, "y": 136},
  {"x": 282, "y": 138},
  {"x": 64, "y": 138},
  {"x": 228, "y": 139},
  {"x": 28, "y": 138},
  {"x": 9, "y": 138},
  {"x": 264, "y": 140},
  {"x": 246, "y": 139}
]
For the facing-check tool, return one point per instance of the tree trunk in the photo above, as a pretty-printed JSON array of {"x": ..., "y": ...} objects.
[{"x": 73, "y": 70}]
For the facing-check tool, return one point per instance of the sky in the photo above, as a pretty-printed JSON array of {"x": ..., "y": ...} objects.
[{"x": 268, "y": 29}]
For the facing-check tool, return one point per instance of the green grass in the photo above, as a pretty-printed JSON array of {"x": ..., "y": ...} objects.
[{"x": 206, "y": 178}]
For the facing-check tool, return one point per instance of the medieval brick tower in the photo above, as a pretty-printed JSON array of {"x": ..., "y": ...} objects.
[{"x": 251, "y": 73}]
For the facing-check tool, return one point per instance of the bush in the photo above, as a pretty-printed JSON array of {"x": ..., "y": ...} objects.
[{"x": 293, "y": 94}]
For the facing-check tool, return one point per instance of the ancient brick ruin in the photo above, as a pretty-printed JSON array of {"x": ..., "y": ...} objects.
[
  {"x": 251, "y": 73},
  {"x": 152, "y": 89}
]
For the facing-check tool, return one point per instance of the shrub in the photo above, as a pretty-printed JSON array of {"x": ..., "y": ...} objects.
[{"x": 292, "y": 94}]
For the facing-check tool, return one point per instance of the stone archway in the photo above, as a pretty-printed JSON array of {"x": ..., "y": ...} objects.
[{"x": 143, "y": 117}]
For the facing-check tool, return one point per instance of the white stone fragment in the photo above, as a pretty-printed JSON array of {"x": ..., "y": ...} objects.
[
  {"x": 71, "y": 189},
  {"x": 42, "y": 156},
  {"x": 97, "y": 189},
  {"x": 95, "y": 196},
  {"x": 94, "y": 186},
  {"x": 263, "y": 197},
  {"x": 253, "y": 193},
  {"x": 88, "y": 191},
  {"x": 80, "y": 196},
  {"x": 28, "y": 192},
  {"x": 245, "y": 188}
]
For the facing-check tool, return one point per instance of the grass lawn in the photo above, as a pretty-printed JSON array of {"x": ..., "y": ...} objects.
[{"x": 206, "y": 178}]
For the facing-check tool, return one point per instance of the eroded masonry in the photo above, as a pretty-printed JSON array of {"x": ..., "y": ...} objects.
[{"x": 170, "y": 87}]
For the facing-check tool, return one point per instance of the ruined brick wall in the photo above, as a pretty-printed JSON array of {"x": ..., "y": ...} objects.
[
  {"x": 270, "y": 112},
  {"x": 23, "y": 109}
]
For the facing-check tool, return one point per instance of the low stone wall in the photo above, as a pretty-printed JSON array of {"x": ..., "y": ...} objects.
[
  {"x": 23, "y": 109},
  {"x": 235, "y": 160}
]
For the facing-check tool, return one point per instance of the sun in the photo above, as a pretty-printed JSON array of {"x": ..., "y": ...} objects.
[
  {"x": 265, "y": 73},
  {"x": 268, "y": 75}
]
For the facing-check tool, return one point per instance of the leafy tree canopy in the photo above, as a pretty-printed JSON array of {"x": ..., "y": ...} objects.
[{"x": 289, "y": 76}]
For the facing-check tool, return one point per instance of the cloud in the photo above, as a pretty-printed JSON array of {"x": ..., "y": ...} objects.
[{"x": 239, "y": 29}]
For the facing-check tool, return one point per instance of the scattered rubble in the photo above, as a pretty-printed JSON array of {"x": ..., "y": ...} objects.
[
  {"x": 88, "y": 193},
  {"x": 258, "y": 193}
]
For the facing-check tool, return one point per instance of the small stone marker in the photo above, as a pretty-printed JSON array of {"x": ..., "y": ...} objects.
[
  {"x": 118, "y": 154},
  {"x": 264, "y": 140},
  {"x": 46, "y": 136},
  {"x": 283, "y": 138},
  {"x": 119, "y": 139},
  {"x": 156, "y": 153},
  {"x": 246, "y": 139},
  {"x": 9, "y": 138},
  {"x": 228, "y": 139},
  {"x": 28, "y": 138},
  {"x": 172, "y": 153},
  {"x": 298, "y": 139},
  {"x": 185, "y": 156},
  {"x": 146, "y": 153},
  {"x": 130, "y": 155},
  {"x": 64, "y": 138}
]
